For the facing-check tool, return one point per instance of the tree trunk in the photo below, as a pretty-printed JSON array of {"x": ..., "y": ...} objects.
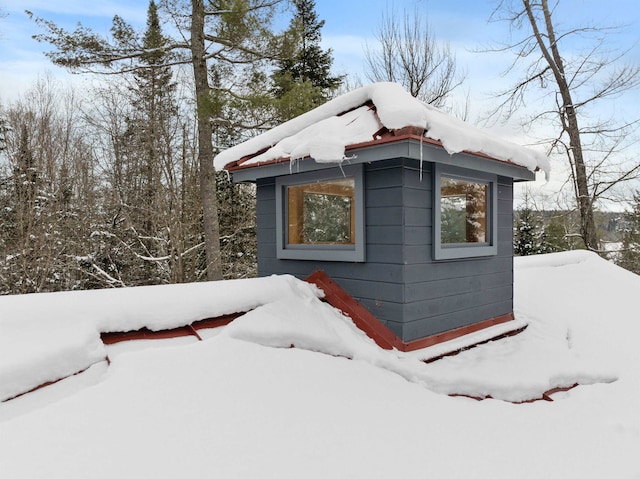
[
  {"x": 585, "y": 205},
  {"x": 570, "y": 124},
  {"x": 205, "y": 145}
]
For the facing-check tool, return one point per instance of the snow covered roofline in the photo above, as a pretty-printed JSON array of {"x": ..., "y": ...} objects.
[{"x": 361, "y": 116}]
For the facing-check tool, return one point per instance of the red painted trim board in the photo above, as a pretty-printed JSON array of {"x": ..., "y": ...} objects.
[{"x": 383, "y": 336}]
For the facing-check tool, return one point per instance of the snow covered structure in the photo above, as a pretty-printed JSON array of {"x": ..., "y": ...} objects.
[{"x": 407, "y": 209}]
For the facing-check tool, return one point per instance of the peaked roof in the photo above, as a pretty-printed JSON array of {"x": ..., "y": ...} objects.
[{"x": 364, "y": 116}]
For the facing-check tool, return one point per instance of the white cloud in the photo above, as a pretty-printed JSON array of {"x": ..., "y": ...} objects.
[{"x": 133, "y": 10}]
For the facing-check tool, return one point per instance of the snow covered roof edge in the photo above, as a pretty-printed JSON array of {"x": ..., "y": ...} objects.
[{"x": 396, "y": 109}]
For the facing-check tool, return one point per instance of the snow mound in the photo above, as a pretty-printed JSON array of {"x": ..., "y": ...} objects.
[
  {"x": 35, "y": 351},
  {"x": 304, "y": 323},
  {"x": 45, "y": 337},
  {"x": 553, "y": 260},
  {"x": 556, "y": 350},
  {"x": 548, "y": 354}
]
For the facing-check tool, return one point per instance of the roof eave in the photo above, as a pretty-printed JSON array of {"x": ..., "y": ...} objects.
[{"x": 388, "y": 137}]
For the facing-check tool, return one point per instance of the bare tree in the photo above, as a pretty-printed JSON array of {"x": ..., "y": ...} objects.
[
  {"x": 408, "y": 53},
  {"x": 149, "y": 227},
  {"x": 46, "y": 192},
  {"x": 571, "y": 82}
]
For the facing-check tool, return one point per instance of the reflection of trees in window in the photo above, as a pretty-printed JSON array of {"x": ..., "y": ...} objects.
[
  {"x": 322, "y": 213},
  {"x": 327, "y": 218},
  {"x": 463, "y": 211}
]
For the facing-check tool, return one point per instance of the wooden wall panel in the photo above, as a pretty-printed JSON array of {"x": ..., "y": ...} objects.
[{"x": 400, "y": 283}]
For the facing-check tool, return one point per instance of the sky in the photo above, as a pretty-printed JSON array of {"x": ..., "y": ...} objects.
[{"x": 349, "y": 27}]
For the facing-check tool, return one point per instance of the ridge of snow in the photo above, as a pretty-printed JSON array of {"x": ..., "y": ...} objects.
[
  {"x": 48, "y": 336},
  {"x": 323, "y": 135},
  {"x": 556, "y": 260}
]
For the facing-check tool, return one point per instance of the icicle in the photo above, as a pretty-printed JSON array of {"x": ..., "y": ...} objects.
[
  {"x": 293, "y": 163},
  {"x": 421, "y": 154},
  {"x": 347, "y": 160}
]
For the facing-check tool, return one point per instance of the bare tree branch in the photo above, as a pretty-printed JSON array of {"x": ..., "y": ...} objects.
[
  {"x": 576, "y": 79},
  {"x": 408, "y": 53}
]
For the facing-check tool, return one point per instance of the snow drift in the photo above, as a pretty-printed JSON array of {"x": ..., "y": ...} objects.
[{"x": 243, "y": 403}]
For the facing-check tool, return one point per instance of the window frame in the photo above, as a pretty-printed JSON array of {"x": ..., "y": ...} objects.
[
  {"x": 444, "y": 251},
  {"x": 321, "y": 252}
]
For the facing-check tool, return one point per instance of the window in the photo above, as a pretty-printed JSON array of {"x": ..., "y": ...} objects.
[
  {"x": 320, "y": 215},
  {"x": 463, "y": 211},
  {"x": 465, "y": 214}
]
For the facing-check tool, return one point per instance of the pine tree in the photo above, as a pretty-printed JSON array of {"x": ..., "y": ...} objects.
[
  {"x": 630, "y": 255},
  {"x": 525, "y": 234},
  {"x": 130, "y": 239},
  {"x": 151, "y": 129},
  {"x": 232, "y": 33},
  {"x": 152, "y": 230},
  {"x": 531, "y": 237},
  {"x": 302, "y": 79},
  {"x": 3, "y": 131}
]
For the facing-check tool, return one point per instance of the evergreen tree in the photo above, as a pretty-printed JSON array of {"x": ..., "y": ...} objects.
[
  {"x": 630, "y": 255},
  {"x": 531, "y": 236},
  {"x": 3, "y": 131},
  {"x": 154, "y": 102},
  {"x": 525, "y": 233},
  {"x": 232, "y": 33},
  {"x": 42, "y": 194},
  {"x": 302, "y": 79},
  {"x": 237, "y": 227},
  {"x": 129, "y": 245},
  {"x": 151, "y": 129}
]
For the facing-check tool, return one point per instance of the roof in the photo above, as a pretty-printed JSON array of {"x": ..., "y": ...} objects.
[
  {"x": 365, "y": 116},
  {"x": 242, "y": 403}
]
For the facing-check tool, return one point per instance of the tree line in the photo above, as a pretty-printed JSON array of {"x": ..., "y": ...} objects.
[
  {"x": 112, "y": 188},
  {"x": 116, "y": 187},
  {"x": 538, "y": 231}
]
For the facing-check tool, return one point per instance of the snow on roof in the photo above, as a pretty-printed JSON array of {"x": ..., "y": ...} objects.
[
  {"x": 325, "y": 132},
  {"x": 242, "y": 403}
]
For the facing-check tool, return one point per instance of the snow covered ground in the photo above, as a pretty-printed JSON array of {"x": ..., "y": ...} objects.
[{"x": 242, "y": 403}]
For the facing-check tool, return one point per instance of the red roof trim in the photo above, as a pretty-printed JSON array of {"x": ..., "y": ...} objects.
[
  {"x": 187, "y": 330},
  {"x": 389, "y": 136},
  {"x": 383, "y": 336},
  {"x": 53, "y": 381}
]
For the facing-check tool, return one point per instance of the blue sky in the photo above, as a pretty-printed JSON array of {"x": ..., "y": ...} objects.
[{"x": 349, "y": 26}]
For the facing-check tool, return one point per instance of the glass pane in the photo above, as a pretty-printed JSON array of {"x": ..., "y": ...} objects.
[
  {"x": 322, "y": 213},
  {"x": 463, "y": 211}
]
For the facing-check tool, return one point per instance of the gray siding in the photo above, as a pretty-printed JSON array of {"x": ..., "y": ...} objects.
[
  {"x": 448, "y": 294},
  {"x": 399, "y": 282}
]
